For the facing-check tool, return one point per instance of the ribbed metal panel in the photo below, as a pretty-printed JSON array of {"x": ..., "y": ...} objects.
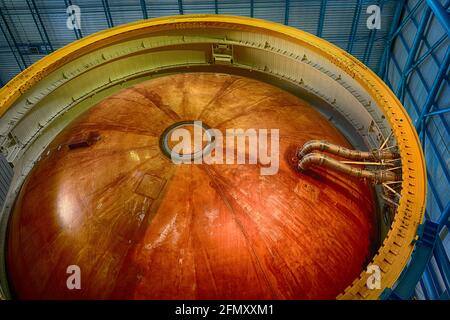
[
  {"x": 162, "y": 8},
  {"x": 334, "y": 20},
  {"x": 6, "y": 174},
  {"x": 124, "y": 11},
  {"x": 53, "y": 13},
  {"x": 21, "y": 22},
  {"x": 305, "y": 15},
  {"x": 8, "y": 70},
  {"x": 201, "y": 6},
  {"x": 270, "y": 10}
]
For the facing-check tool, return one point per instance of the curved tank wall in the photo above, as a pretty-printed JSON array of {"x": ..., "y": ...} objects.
[{"x": 140, "y": 226}]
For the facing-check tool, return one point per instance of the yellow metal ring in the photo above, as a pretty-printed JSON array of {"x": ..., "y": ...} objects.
[{"x": 397, "y": 247}]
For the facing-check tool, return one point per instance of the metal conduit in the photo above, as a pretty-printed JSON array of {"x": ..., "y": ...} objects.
[
  {"x": 374, "y": 155},
  {"x": 376, "y": 176}
]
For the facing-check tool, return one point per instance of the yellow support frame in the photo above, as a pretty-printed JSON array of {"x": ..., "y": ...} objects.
[{"x": 398, "y": 245}]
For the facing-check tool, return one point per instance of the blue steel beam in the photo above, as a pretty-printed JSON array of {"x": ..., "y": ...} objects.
[
  {"x": 433, "y": 189},
  {"x": 432, "y": 94},
  {"x": 216, "y": 6},
  {"x": 427, "y": 54},
  {"x": 433, "y": 272},
  {"x": 10, "y": 47},
  {"x": 370, "y": 40},
  {"x": 108, "y": 15},
  {"x": 353, "y": 31},
  {"x": 411, "y": 275},
  {"x": 441, "y": 258},
  {"x": 427, "y": 89},
  {"x": 429, "y": 285},
  {"x": 417, "y": 269},
  {"x": 437, "y": 112},
  {"x": 323, "y": 9},
  {"x": 424, "y": 83},
  {"x": 413, "y": 51},
  {"x": 432, "y": 143},
  {"x": 425, "y": 42},
  {"x": 13, "y": 39},
  {"x": 180, "y": 7},
  {"x": 441, "y": 14},
  {"x": 252, "y": 8},
  {"x": 443, "y": 218},
  {"x": 406, "y": 19},
  {"x": 434, "y": 276},
  {"x": 440, "y": 159},
  {"x": 77, "y": 32},
  {"x": 286, "y": 12},
  {"x": 443, "y": 263},
  {"x": 382, "y": 69},
  {"x": 36, "y": 23},
  {"x": 144, "y": 9},
  {"x": 44, "y": 30},
  {"x": 425, "y": 294}
]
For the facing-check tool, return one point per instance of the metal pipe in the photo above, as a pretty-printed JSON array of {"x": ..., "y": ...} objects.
[
  {"x": 374, "y": 155},
  {"x": 317, "y": 159}
]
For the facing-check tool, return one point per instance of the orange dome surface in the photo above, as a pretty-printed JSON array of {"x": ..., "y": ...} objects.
[{"x": 106, "y": 198}]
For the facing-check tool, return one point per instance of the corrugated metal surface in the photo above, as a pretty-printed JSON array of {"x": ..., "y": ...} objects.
[
  {"x": 419, "y": 71},
  {"x": 6, "y": 174},
  {"x": 341, "y": 22}
]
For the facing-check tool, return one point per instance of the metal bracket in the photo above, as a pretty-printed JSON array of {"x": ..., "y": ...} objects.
[{"x": 222, "y": 53}]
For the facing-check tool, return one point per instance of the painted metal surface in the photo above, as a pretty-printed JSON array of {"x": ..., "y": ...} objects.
[
  {"x": 398, "y": 246},
  {"x": 6, "y": 174},
  {"x": 141, "y": 227},
  {"x": 328, "y": 19}
]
